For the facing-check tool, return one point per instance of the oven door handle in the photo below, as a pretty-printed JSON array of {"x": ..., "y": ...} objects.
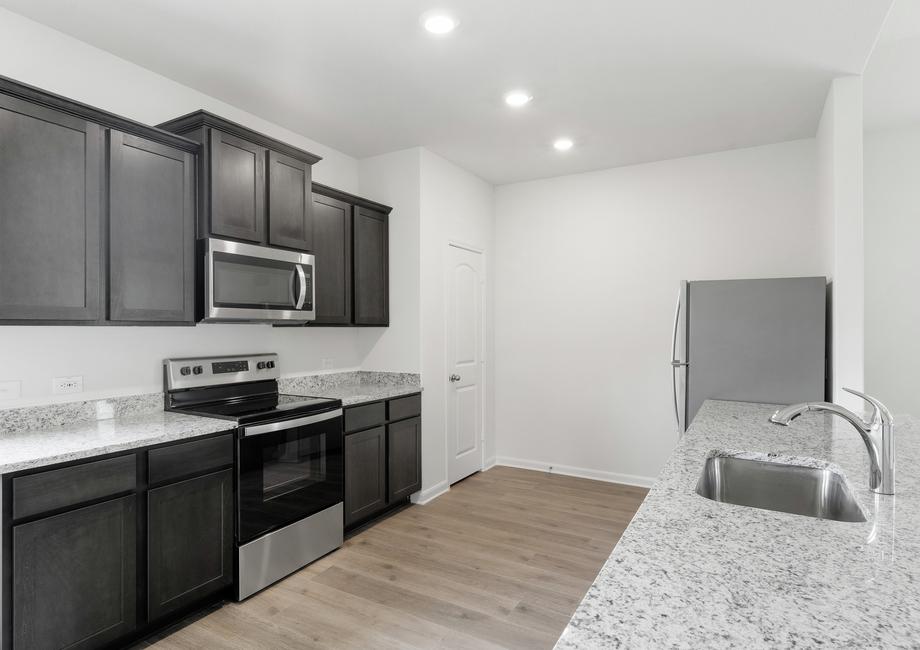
[{"x": 271, "y": 427}]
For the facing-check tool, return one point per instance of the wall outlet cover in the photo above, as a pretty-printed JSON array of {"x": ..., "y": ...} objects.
[
  {"x": 328, "y": 364},
  {"x": 65, "y": 385},
  {"x": 11, "y": 389}
]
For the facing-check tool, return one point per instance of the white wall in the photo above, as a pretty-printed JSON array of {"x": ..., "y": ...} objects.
[
  {"x": 892, "y": 245},
  {"x": 587, "y": 269},
  {"x": 126, "y": 360},
  {"x": 394, "y": 179},
  {"x": 456, "y": 206},
  {"x": 840, "y": 206}
]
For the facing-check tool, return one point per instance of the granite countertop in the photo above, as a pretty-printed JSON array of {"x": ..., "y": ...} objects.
[
  {"x": 353, "y": 388},
  {"x": 692, "y": 573},
  {"x": 36, "y": 436},
  {"x": 33, "y": 448}
]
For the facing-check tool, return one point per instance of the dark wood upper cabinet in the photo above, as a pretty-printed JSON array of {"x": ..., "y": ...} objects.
[
  {"x": 351, "y": 245},
  {"x": 371, "y": 267},
  {"x": 290, "y": 208},
  {"x": 51, "y": 212},
  {"x": 72, "y": 209},
  {"x": 151, "y": 231},
  {"x": 237, "y": 182},
  {"x": 253, "y": 187},
  {"x": 74, "y": 577},
  {"x": 332, "y": 250},
  {"x": 190, "y": 541}
]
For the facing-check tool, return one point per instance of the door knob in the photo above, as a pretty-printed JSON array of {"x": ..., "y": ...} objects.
[{"x": 455, "y": 377}]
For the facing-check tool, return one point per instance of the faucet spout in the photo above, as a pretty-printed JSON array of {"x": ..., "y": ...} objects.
[{"x": 877, "y": 434}]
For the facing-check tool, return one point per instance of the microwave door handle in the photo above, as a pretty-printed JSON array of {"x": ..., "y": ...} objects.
[
  {"x": 291, "y": 285},
  {"x": 303, "y": 287}
]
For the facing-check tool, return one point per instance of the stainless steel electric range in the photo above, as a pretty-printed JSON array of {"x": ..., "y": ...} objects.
[{"x": 289, "y": 464}]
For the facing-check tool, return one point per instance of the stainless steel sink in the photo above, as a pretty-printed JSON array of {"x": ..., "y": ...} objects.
[{"x": 775, "y": 486}]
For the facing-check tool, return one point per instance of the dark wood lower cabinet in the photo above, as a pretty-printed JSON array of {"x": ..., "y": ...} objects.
[
  {"x": 404, "y": 458},
  {"x": 383, "y": 456},
  {"x": 74, "y": 577},
  {"x": 95, "y": 556},
  {"x": 190, "y": 541},
  {"x": 365, "y": 473}
]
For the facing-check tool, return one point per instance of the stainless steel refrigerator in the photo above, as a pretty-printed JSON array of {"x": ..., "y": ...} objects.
[{"x": 748, "y": 340}]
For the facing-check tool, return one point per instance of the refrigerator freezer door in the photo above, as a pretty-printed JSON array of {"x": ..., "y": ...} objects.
[{"x": 755, "y": 341}]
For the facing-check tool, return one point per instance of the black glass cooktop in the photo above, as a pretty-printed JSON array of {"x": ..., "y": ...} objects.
[{"x": 264, "y": 408}]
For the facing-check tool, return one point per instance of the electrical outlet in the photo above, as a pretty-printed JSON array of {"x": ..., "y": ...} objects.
[
  {"x": 64, "y": 385},
  {"x": 328, "y": 364},
  {"x": 10, "y": 389}
]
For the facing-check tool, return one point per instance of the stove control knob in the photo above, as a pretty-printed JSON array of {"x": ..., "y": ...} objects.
[
  {"x": 270, "y": 364},
  {"x": 260, "y": 365},
  {"x": 198, "y": 370},
  {"x": 185, "y": 370}
]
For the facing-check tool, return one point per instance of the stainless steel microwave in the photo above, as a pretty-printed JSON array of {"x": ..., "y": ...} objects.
[{"x": 246, "y": 283}]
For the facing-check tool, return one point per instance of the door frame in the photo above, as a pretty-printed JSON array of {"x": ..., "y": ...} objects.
[{"x": 483, "y": 283}]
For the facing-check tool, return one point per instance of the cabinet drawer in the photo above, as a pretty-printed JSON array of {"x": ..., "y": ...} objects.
[
  {"x": 361, "y": 417},
  {"x": 68, "y": 486},
  {"x": 405, "y": 407},
  {"x": 188, "y": 458}
]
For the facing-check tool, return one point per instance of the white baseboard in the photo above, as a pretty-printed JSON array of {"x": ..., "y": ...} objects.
[
  {"x": 580, "y": 472},
  {"x": 489, "y": 464},
  {"x": 429, "y": 495}
]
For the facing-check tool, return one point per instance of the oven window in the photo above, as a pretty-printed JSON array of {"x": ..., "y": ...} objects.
[
  {"x": 244, "y": 281},
  {"x": 287, "y": 475},
  {"x": 293, "y": 464}
]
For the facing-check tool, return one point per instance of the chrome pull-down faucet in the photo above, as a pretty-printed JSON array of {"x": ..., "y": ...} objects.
[{"x": 877, "y": 433}]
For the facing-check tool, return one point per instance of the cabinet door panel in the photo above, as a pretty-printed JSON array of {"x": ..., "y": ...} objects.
[
  {"x": 237, "y": 188},
  {"x": 190, "y": 541},
  {"x": 50, "y": 214},
  {"x": 365, "y": 474},
  {"x": 332, "y": 249},
  {"x": 371, "y": 267},
  {"x": 404, "y": 443},
  {"x": 151, "y": 231},
  {"x": 290, "y": 210},
  {"x": 74, "y": 577}
]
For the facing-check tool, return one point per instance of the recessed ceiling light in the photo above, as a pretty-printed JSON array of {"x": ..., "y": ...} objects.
[
  {"x": 518, "y": 98},
  {"x": 563, "y": 144},
  {"x": 438, "y": 23}
]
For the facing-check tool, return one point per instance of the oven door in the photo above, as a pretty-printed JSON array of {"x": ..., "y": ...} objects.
[
  {"x": 288, "y": 470},
  {"x": 255, "y": 283}
]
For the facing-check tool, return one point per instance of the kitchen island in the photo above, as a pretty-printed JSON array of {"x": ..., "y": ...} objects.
[{"x": 693, "y": 573}]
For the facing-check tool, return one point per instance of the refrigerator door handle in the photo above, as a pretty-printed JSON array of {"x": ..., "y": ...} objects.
[{"x": 676, "y": 364}]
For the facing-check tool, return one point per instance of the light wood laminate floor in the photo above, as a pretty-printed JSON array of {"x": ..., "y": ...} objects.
[{"x": 500, "y": 561}]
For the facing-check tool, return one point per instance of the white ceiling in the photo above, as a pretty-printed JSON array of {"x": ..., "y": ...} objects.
[
  {"x": 891, "y": 85},
  {"x": 630, "y": 81}
]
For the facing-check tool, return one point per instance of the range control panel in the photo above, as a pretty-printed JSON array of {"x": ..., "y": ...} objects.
[{"x": 214, "y": 371}]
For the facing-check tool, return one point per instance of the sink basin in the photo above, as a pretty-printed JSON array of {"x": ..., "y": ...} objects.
[{"x": 795, "y": 489}]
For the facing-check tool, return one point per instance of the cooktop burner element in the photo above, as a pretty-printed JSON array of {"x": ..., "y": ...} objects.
[{"x": 243, "y": 389}]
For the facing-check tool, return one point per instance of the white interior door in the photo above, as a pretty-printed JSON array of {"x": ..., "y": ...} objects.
[{"x": 465, "y": 280}]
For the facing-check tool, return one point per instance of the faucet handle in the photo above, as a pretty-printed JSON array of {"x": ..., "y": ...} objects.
[{"x": 880, "y": 412}]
